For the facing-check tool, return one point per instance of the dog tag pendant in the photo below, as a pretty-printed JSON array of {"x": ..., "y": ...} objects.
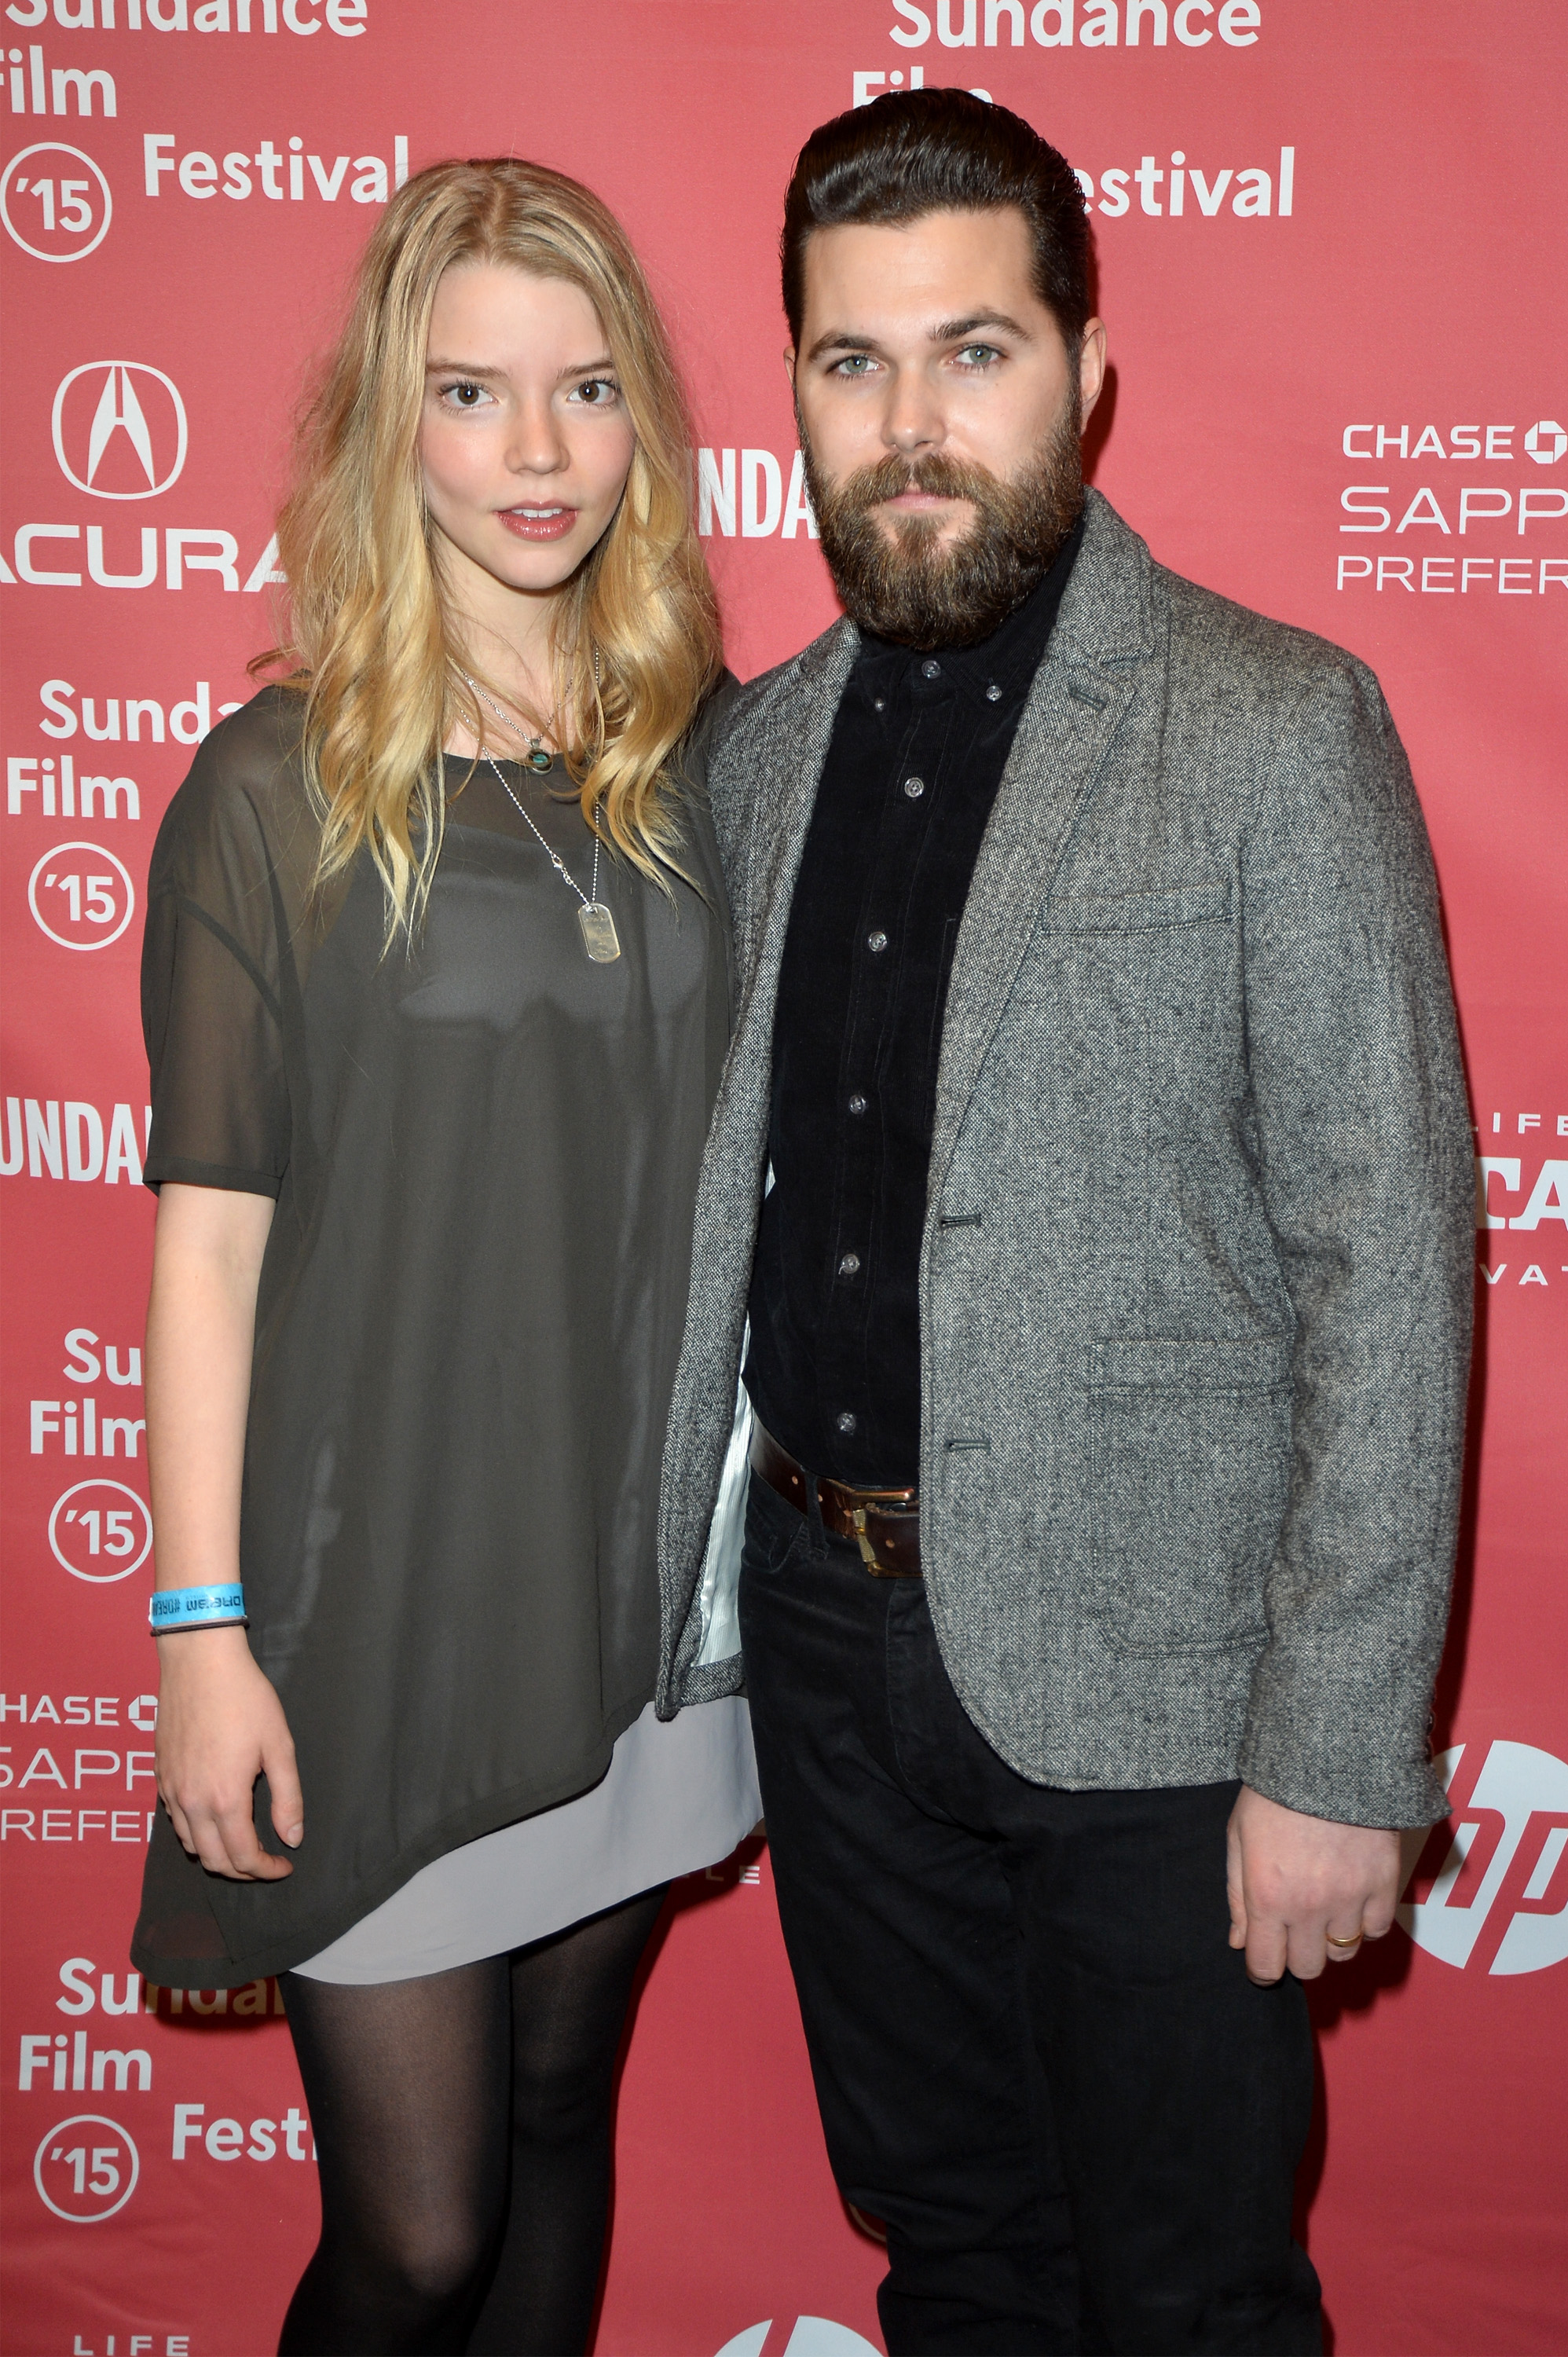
[{"x": 599, "y": 936}]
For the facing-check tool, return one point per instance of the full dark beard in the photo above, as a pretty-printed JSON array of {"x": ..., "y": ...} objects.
[{"x": 908, "y": 586}]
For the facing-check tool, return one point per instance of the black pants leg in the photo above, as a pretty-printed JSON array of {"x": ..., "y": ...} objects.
[{"x": 1036, "y": 2056}]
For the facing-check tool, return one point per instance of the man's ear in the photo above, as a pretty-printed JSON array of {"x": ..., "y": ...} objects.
[
  {"x": 1091, "y": 367},
  {"x": 789, "y": 364}
]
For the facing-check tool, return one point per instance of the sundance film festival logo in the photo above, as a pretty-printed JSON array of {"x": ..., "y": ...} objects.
[
  {"x": 55, "y": 203},
  {"x": 119, "y": 429},
  {"x": 350, "y": 19},
  {"x": 82, "y": 896},
  {"x": 86, "y": 2170},
  {"x": 1489, "y": 1891},
  {"x": 100, "y": 1530},
  {"x": 1093, "y": 24}
]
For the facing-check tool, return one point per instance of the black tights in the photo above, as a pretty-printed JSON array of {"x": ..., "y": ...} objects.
[{"x": 463, "y": 2127}]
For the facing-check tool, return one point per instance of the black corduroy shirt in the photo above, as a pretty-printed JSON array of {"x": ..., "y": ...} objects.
[{"x": 916, "y": 754}]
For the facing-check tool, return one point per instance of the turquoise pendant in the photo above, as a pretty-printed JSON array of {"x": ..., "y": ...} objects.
[{"x": 539, "y": 759}]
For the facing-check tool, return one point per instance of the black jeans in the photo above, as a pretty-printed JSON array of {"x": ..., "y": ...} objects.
[{"x": 1037, "y": 2058}]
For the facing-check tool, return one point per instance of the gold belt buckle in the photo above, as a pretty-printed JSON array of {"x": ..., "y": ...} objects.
[{"x": 868, "y": 1553}]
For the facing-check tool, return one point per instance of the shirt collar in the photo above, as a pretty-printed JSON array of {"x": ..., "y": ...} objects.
[{"x": 1010, "y": 656}]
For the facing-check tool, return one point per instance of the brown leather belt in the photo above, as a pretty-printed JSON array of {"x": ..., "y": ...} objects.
[{"x": 883, "y": 1523}]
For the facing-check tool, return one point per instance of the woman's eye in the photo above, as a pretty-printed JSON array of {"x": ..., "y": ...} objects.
[
  {"x": 463, "y": 395},
  {"x": 597, "y": 392}
]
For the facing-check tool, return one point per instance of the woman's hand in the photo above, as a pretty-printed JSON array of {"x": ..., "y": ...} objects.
[{"x": 220, "y": 1726}]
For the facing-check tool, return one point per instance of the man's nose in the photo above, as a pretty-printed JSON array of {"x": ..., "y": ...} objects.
[{"x": 913, "y": 422}]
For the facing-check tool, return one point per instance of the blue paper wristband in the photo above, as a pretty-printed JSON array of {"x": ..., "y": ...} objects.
[{"x": 196, "y": 1608}]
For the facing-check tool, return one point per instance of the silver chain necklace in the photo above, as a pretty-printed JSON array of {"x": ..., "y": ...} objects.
[
  {"x": 536, "y": 756},
  {"x": 596, "y": 919}
]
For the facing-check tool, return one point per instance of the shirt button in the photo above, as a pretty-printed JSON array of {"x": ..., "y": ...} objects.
[
  {"x": 914, "y": 788},
  {"x": 993, "y": 694},
  {"x": 850, "y": 1264},
  {"x": 876, "y": 943},
  {"x": 929, "y": 670},
  {"x": 844, "y": 1422},
  {"x": 878, "y": 702},
  {"x": 857, "y": 1103}
]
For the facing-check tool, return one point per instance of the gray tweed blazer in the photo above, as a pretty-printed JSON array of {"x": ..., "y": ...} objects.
[{"x": 1196, "y": 1278}]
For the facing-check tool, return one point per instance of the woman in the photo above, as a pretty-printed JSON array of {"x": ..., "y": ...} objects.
[{"x": 436, "y": 993}]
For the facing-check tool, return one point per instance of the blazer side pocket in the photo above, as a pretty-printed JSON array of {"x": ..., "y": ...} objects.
[{"x": 1190, "y": 1452}]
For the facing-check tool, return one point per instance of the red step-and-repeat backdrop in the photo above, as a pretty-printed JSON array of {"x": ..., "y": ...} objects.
[{"x": 1329, "y": 239}]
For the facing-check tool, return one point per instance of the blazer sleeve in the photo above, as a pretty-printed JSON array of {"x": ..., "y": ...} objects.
[{"x": 1365, "y": 1160}]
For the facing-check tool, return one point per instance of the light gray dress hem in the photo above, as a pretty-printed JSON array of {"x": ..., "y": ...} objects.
[{"x": 678, "y": 1794}]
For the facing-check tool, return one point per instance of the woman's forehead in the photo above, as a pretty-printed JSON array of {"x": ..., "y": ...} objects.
[{"x": 502, "y": 296}]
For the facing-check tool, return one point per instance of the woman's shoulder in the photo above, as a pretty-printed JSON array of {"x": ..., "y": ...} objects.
[
  {"x": 244, "y": 805},
  {"x": 252, "y": 757}
]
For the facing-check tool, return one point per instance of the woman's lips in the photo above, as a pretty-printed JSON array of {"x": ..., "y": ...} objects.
[{"x": 537, "y": 523}]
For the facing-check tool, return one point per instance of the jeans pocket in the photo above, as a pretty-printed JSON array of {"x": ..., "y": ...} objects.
[
  {"x": 1191, "y": 1460},
  {"x": 773, "y": 1528}
]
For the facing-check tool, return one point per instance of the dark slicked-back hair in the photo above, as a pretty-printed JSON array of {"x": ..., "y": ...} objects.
[{"x": 925, "y": 151}]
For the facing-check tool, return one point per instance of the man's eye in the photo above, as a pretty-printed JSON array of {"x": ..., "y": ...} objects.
[
  {"x": 978, "y": 355},
  {"x": 853, "y": 364}
]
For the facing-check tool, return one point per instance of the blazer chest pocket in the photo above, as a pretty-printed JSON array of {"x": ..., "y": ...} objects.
[
  {"x": 1205, "y": 903},
  {"x": 1190, "y": 1446}
]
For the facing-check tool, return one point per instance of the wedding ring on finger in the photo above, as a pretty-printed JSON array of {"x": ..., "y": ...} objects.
[{"x": 1345, "y": 1946}]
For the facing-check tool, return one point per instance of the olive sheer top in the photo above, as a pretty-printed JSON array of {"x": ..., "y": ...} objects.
[{"x": 483, "y": 1148}]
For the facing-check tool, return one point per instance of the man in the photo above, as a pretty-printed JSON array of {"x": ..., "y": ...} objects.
[{"x": 1108, "y": 1304}]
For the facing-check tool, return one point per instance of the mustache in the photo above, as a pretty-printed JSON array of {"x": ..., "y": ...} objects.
[{"x": 937, "y": 474}]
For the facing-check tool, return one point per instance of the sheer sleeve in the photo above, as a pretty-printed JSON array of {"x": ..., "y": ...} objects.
[{"x": 215, "y": 961}]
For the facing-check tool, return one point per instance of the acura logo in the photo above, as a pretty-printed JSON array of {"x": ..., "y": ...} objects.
[{"x": 132, "y": 433}]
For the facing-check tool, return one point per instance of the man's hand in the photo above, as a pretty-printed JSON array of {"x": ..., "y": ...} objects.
[{"x": 1303, "y": 1891}]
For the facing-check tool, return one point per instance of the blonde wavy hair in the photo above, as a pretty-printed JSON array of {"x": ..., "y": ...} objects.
[{"x": 370, "y": 642}]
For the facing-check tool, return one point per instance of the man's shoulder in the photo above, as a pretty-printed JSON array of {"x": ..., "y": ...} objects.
[
  {"x": 760, "y": 697},
  {"x": 1124, "y": 603},
  {"x": 1249, "y": 699},
  {"x": 1273, "y": 659}
]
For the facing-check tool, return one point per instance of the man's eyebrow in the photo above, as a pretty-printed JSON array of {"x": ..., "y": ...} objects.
[
  {"x": 843, "y": 339},
  {"x": 953, "y": 331},
  {"x": 945, "y": 331}
]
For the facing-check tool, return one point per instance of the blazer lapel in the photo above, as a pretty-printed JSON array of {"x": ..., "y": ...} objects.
[
  {"x": 785, "y": 775},
  {"x": 1080, "y": 696}
]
